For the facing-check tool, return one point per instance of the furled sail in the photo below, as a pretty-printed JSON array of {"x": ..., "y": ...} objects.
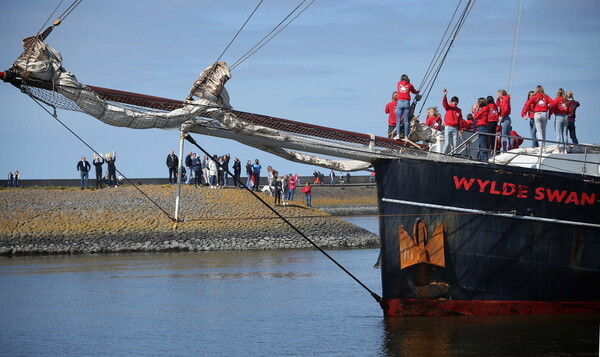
[{"x": 206, "y": 110}]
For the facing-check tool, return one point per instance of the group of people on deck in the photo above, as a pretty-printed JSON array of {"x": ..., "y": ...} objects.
[{"x": 488, "y": 116}]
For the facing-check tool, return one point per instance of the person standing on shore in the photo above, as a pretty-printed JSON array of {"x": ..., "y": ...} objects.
[
  {"x": 256, "y": 173},
  {"x": 83, "y": 167},
  {"x": 188, "y": 168},
  {"x": 213, "y": 171},
  {"x": 112, "y": 170},
  {"x": 197, "y": 169},
  {"x": 237, "y": 172},
  {"x": 172, "y": 164},
  {"x": 11, "y": 179},
  {"x": 308, "y": 192},
  {"x": 98, "y": 166},
  {"x": 331, "y": 177},
  {"x": 17, "y": 178}
]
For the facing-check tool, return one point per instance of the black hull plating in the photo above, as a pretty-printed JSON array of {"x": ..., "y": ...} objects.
[{"x": 491, "y": 258}]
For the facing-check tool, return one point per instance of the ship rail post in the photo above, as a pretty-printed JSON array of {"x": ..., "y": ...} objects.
[{"x": 583, "y": 168}]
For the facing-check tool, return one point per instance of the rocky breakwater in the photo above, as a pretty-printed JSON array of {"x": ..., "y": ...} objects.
[{"x": 72, "y": 221}]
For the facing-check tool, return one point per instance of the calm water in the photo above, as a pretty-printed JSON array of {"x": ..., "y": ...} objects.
[{"x": 282, "y": 303}]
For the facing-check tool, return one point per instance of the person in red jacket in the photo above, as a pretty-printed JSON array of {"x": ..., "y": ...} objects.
[
  {"x": 390, "y": 109},
  {"x": 539, "y": 103},
  {"x": 434, "y": 119},
  {"x": 404, "y": 88},
  {"x": 493, "y": 113},
  {"x": 527, "y": 114},
  {"x": 308, "y": 192},
  {"x": 503, "y": 103},
  {"x": 572, "y": 104},
  {"x": 481, "y": 115},
  {"x": 559, "y": 108},
  {"x": 452, "y": 120}
]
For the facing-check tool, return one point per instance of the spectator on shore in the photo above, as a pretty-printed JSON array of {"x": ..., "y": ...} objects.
[
  {"x": 285, "y": 189},
  {"x": 293, "y": 182},
  {"x": 188, "y": 168},
  {"x": 112, "y": 170},
  {"x": 256, "y": 173},
  {"x": 308, "y": 192},
  {"x": 341, "y": 177},
  {"x": 98, "y": 162},
  {"x": 332, "y": 178},
  {"x": 213, "y": 171},
  {"x": 237, "y": 172},
  {"x": 372, "y": 177},
  {"x": 83, "y": 167},
  {"x": 277, "y": 191},
  {"x": 226, "y": 169},
  {"x": 390, "y": 109},
  {"x": 249, "y": 174},
  {"x": 11, "y": 179},
  {"x": 197, "y": 169},
  {"x": 205, "y": 170},
  {"x": 172, "y": 164},
  {"x": 348, "y": 178},
  {"x": 17, "y": 179}
]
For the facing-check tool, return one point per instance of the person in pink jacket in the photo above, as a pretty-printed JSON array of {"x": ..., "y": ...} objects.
[{"x": 292, "y": 186}]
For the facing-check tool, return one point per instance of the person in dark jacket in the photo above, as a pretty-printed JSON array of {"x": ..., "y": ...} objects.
[
  {"x": 112, "y": 170},
  {"x": 98, "y": 162},
  {"x": 83, "y": 167},
  {"x": 172, "y": 164},
  {"x": 237, "y": 171},
  {"x": 188, "y": 168}
]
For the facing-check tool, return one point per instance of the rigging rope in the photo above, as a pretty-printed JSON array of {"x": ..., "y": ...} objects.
[
  {"x": 254, "y": 48},
  {"x": 240, "y": 30},
  {"x": 441, "y": 57},
  {"x": 514, "y": 49},
  {"x": 237, "y": 182},
  {"x": 55, "y": 116}
]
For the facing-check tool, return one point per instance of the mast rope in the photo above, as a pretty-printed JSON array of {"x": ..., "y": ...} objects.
[
  {"x": 237, "y": 182},
  {"x": 55, "y": 116},
  {"x": 258, "y": 45},
  {"x": 511, "y": 71},
  {"x": 240, "y": 30},
  {"x": 440, "y": 58}
]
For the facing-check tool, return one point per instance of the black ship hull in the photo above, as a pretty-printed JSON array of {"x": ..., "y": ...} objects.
[{"x": 478, "y": 239}]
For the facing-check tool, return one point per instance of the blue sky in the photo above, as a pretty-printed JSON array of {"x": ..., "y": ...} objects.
[{"x": 335, "y": 66}]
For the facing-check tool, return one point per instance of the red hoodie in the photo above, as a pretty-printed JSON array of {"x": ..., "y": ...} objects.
[
  {"x": 481, "y": 116},
  {"x": 492, "y": 112},
  {"x": 390, "y": 109},
  {"x": 434, "y": 122},
  {"x": 404, "y": 89},
  {"x": 539, "y": 102},
  {"x": 559, "y": 106},
  {"x": 504, "y": 105},
  {"x": 527, "y": 111},
  {"x": 453, "y": 115}
]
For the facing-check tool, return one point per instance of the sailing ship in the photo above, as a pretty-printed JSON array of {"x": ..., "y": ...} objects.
[{"x": 517, "y": 234}]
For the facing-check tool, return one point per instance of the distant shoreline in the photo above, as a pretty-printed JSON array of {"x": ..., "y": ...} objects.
[{"x": 73, "y": 221}]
